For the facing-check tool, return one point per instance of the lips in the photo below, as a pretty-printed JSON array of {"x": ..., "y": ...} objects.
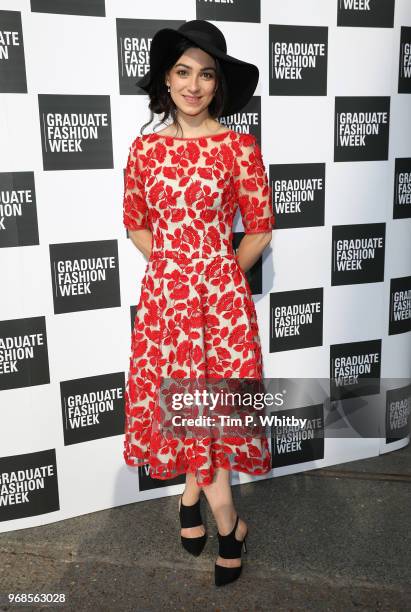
[{"x": 191, "y": 98}]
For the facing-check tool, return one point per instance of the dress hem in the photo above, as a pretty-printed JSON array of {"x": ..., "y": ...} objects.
[{"x": 215, "y": 467}]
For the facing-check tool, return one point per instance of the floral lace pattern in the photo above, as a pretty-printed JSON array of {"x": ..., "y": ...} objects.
[{"x": 195, "y": 316}]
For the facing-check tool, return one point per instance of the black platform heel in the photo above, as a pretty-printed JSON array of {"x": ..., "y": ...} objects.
[
  {"x": 190, "y": 516},
  {"x": 229, "y": 548}
]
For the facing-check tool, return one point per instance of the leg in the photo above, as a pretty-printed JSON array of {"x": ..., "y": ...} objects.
[
  {"x": 191, "y": 496},
  {"x": 219, "y": 496}
]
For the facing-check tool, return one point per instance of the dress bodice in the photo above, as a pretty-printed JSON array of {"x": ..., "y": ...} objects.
[{"x": 187, "y": 191}]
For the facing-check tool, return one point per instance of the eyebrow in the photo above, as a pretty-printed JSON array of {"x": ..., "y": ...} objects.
[{"x": 206, "y": 68}]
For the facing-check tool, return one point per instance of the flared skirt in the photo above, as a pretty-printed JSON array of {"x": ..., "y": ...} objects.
[{"x": 194, "y": 319}]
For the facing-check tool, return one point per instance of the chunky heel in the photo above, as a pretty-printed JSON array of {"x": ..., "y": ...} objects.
[
  {"x": 190, "y": 516},
  {"x": 229, "y": 548}
]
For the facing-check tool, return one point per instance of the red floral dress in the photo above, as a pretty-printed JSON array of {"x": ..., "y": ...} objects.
[{"x": 196, "y": 315}]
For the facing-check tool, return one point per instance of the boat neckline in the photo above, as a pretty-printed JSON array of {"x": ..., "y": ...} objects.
[{"x": 193, "y": 137}]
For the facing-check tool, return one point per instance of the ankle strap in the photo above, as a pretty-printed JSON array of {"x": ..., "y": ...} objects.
[
  {"x": 190, "y": 516},
  {"x": 229, "y": 546}
]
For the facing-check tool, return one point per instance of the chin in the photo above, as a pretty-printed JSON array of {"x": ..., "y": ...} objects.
[
  {"x": 189, "y": 110},
  {"x": 193, "y": 111}
]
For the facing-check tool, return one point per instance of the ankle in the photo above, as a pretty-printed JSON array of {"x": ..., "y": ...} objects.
[
  {"x": 190, "y": 497},
  {"x": 225, "y": 521}
]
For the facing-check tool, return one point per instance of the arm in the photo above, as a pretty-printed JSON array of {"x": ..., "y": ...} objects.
[
  {"x": 255, "y": 202},
  {"x": 135, "y": 211},
  {"x": 251, "y": 248},
  {"x": 142, "y": 240}
]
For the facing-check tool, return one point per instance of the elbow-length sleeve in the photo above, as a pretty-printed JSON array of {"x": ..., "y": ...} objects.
[
  {"x": 253, "y": 190},
  {"x": 135, "y": 212}
]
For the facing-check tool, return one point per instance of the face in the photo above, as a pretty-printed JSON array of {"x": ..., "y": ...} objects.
[{"x": 192, "y": 81}]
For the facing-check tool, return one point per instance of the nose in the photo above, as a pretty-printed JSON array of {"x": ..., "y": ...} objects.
[{"x": 193, "y": 85}]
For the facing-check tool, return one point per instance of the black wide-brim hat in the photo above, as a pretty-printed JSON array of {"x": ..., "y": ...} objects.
[{"x": 241, "y": 77}]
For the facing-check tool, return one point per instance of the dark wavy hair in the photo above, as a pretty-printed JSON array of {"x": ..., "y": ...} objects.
[{"x": 161, "y": 101}]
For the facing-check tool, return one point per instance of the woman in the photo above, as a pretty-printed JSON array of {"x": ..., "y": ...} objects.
[{"x": 196, "y": 316}]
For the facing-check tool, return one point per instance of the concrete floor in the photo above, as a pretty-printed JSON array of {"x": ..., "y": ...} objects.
[{"x": 332, "y": 539}]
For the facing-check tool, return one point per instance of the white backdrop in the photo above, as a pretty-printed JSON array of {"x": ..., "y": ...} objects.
[{"x": 77, "y": 55}]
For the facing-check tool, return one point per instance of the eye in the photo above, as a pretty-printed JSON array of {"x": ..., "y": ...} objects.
[{"x": 208, "y": 75}]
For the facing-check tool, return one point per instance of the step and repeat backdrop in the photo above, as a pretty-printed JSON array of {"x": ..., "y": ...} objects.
[{"x": 332, "y": 114}]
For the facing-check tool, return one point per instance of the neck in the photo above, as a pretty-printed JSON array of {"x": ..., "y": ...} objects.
[{"x": 199, "y": 124}]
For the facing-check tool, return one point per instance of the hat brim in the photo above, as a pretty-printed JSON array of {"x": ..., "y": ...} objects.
[{"x": 242, "y": 77}]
